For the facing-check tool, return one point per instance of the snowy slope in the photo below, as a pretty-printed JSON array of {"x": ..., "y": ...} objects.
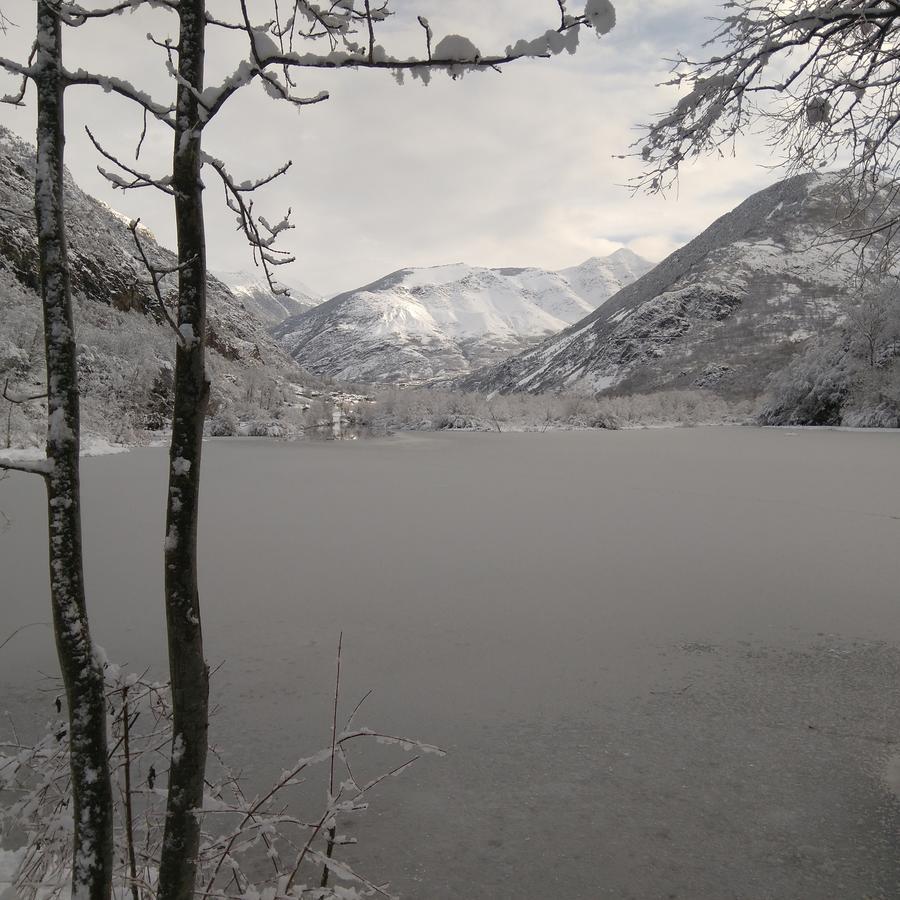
[
  {"x": 103, "y": 258},
  {"x": 252, "y": 291},
  {"x": 722, "y": 312},
  {"x": 126, "y": 348},
  {"x": 418, "y": 324}
]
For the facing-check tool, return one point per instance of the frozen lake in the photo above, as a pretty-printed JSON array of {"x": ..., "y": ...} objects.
[{"x": 664, "y": 663}]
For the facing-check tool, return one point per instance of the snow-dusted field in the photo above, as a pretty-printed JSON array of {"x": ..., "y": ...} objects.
[{"x": 665, "y": 663}]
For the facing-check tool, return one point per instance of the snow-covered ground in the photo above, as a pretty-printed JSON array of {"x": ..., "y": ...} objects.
[{"x": 91, "y": 445}]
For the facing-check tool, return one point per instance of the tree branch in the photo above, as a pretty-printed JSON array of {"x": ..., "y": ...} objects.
[
  {"x": 123, "y": 89},
  {"x": 141, "y": 179},
  {"x": 18, "y": 400},
  {"x": 42, "y": 467},
  {"x": 75, "y": 15},
  {"x": 263, "y": 245},
  {"x": 156, "y": 276}
]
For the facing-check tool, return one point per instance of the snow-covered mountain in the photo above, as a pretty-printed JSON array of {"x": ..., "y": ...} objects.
[
  {"x": 419, "y": 324},
  {"x": 125, "y": 346},
  {"x": 722, "y": 312},
  {"x": 599, "y": 277},
  {"x": 104, "y": 261},
  {"x": 252, "y": 290}
]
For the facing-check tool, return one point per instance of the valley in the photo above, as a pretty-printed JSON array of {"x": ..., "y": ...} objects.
[
  {"x": 448, "y": 450},
  {"x": 754, "y": 294}
]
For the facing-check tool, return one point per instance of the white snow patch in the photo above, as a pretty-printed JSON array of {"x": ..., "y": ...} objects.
[
  {"x": 91, "y": 445},
  {"x": 602, "y": 382},
  {"x": 601, "y": 14},
  {"x": 57, "y": 427},
  {"x": 456, "y": 47},
  {"x": 94, "y": 445},
  {"x": 621, "y": 314}
]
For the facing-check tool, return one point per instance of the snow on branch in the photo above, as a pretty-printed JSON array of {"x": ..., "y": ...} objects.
[
  {"x": 75, "y": 14},
  {"x": 18, "y": 98},
  {"x": 251, "y": 846},
  {"x": 42, "y": 467},
  {"x": 260, "y": 234},
  {"x": 821, "y": 79},
  {"x": 124, "y": 89},
  {"x": 138, "y": 179},
  {"x": 157, "y": 274},
  {"x": 19, "y": 399},
  {"x": 25, "y": 72},
  {"x": 350, "y": 27}
]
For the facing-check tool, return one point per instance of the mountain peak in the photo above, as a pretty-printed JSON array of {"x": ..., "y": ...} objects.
[
  {"x": 627, "y": 254},
  {"x": 251, "y": 288},
  {"x": 417, "y": 324}
]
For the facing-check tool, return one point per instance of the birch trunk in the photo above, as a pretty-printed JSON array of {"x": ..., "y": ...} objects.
[
  {"x": 81, "y": 671},
  {"x": 187, "y": 667}
]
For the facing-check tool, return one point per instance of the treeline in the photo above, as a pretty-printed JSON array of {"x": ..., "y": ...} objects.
[
  {"x": 431, "y": 409},
  {"x": 126, "y": 368},
  {"x": 850, "y": 378}
]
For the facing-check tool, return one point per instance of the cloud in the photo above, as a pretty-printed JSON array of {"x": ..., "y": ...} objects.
[{"x": 515, "y": 168}]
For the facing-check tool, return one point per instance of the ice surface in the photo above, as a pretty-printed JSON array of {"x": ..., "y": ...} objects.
[{"x": 656, "y": 641}]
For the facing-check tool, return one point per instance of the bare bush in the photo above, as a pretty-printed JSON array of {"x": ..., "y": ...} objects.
[
  {"x": 436, "y": 409},
  {"x": 251, "y": 846}
]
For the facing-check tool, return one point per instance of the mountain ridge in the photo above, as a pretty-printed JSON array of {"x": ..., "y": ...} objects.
[
  {"x": 126, "y": 349},
  {"x": 419, "y": 324},
  {"x": 721, "y": 312},
  {"x": 252, "y": 289}
]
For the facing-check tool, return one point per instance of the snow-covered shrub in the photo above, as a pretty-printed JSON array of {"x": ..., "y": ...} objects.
[
  {"x": 841, "y": 381},
  {"x": 459, "y": 422},
  {"x": 812, "y": 388},
  {"x": 256, "y": 428},
  {"x": 674, "y": 407},
  {"x": 883, "y": 416},
  {"x": 126, "y": 373},
  {"x": 600, "y": 419},
  {"x": 223, "y": 424},
  {"x": 434, "y": 409},
  {"x": 14, "y": 361},
  {"x": 874, "y": 399},
  {"x": 251, "y": 846}
]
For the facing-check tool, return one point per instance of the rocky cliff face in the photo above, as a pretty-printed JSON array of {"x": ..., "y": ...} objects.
[
  {"x": 104, "y": 262},
  {"x": 420, "y": 324},
  {"x": 722, "y": 312},
  {"x": 126, "y": 348}
]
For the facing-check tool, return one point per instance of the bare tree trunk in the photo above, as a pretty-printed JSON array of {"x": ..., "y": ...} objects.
[
  {"x": 187, "y": 667},
  {"x": 81, "y": 670}
]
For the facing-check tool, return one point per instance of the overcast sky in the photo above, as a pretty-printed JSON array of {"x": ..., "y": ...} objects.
[{"x": 509, "y": 169}]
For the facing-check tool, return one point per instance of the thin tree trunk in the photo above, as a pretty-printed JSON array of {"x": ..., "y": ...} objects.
[
  {"x": 129, "y": 808},
  {"x": 81, "y": 670},
  {"x": 187, "y": 667}
]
